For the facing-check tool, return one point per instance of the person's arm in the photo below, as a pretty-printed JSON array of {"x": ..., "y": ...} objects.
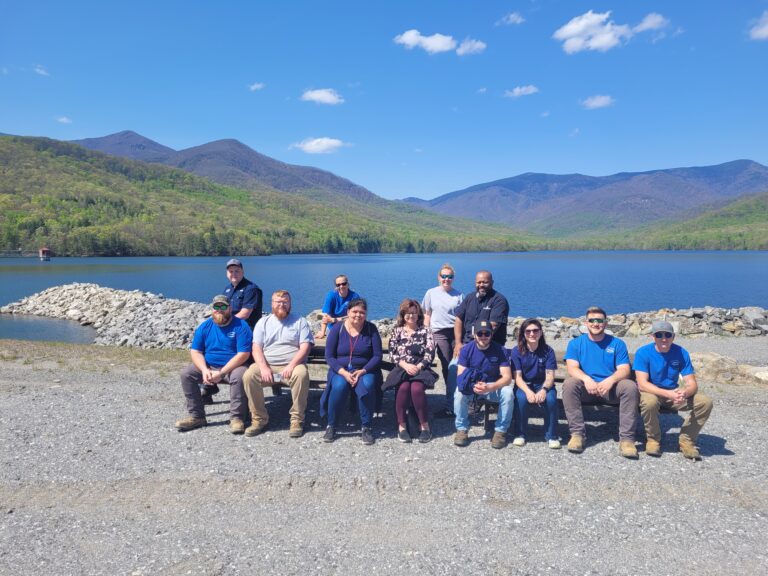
[
  {"x": 574, "y": 371},
  {"x": 505, "y": 377},
  {"x": 429, "y": 349},
  {"x": 458, "y": 335},
  {"x": 376, "y": 357},
  {"x": 265, "y": 370},
  {"x": 199, "y": 361},
  {"x": 236, "y": 360},
  {"x": 499, "y": 311},
  {"x": 394, "y": 340},
  {"x": 332, "y": 352}
]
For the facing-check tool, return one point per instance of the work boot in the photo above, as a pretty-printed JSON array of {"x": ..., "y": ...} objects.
[
  {"x": 652, "y": 448},
  {"x": 190, "y": 423},
  {"x": 461, "y": 438},
  {"x": 296, "y": 430},
  {"x": 255, "y": 428},
  {"x": 366, "y": 435},
  {"x": 330, "y": 434},
  {"x": 689, "y": 449},
  {"x": 236, "y": 425},
  {"x": 499, "y": 440},
  {"x": 627, "y": 449},
  {"x": 576, "y": 444}
]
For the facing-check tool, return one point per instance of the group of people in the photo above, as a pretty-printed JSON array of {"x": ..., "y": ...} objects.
[{"x": 467, "y": 333}]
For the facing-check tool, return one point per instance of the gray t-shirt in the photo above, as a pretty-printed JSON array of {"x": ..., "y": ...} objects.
[
  {"x": 442, "y": 306},
  {"x": 280, "y": 340}
]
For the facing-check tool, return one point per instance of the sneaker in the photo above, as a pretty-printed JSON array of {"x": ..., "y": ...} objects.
[
  {"x": 554, "y": 444},
  {"x": 499, "y": 440},
  {"x": 403, "y": 436},
  {"x": 330, "y": 434},
  {"x": 255, "y": 429},
  {"x": 461, "y": 438},
  {"x": 190, "y": 423},
  {"x": 236, "y": 425},
  {"x": 576, "y": 444},
  {"x": 627, "y": 449},
  {"x": 425, "y": 436},
  {"x": 652, "y": 448},
  {"x": 689, "y": 450},
  {"x": 296, "y": 430},
  {"x": 366, "y": 435},
  {"x": 519, "y": 441}
]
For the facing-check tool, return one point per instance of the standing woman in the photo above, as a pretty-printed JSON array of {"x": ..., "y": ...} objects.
[
  {"x": 353, "y": 354},
  {"x": 535, "y": 364},
  {"x": 412, "y": 349},
  {"x": 439, "y": 306}
]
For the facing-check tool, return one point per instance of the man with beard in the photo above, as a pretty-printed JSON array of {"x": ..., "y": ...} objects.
[
  {"x": 483, "y": 304},
  {"x": 281, "y": 344},
  {"x": 220, "y": 348}
]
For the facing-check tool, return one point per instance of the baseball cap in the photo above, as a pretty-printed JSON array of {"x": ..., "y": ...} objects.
[
  {"x": 481, "y": 325},
  {"x": 662, "y": 326},
  {"x": 234, "y": 262},
  {"x": 220, "y": 299}
]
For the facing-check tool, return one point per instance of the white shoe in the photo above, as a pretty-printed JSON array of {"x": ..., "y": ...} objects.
[
  {"x": 554, "y": 444},
  {"x": 519, "y": 441}
]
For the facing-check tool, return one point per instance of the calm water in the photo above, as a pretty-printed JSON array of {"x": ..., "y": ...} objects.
[{"x": 535, "y": 283}]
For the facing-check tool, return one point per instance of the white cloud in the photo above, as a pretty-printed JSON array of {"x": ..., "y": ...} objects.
[
  {"x": 510, "y": 19},
  {"x": 64, "y": 120},
  {"x": 470, "y": 46},
  {"x": 256, "y": 86},
  {"x": 596, "y": 31},
  {"x": 652, "y": 21},
  {"x": 323, "y": 96},
  {"x": 482, "y": 90},
  {"x": 319, "y": 145},
  {"x": 598, "y": 101},
  {"x": 432, "y": 44},
  {"x": 40, "y": 69},
  {"x": 760, "y": 30},
  {"x": 518, "y": 91}
]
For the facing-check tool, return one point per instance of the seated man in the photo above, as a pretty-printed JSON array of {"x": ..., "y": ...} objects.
[
  {"x": 657, "y": 367},
  {"x": 220, "y": 348},
  {"x": 491, "y": 378},
  {"x": 281, "y": 344},
  {"x": 598, "y": 370},
  {"x": 336, "y": 303}
]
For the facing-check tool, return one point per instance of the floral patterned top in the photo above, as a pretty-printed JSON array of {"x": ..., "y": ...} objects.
[{"x": 415, "y": 348}]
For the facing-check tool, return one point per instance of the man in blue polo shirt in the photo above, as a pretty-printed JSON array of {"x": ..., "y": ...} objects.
[
  {"x": 220, "y": 349},
  {"x": 245, "y": 297},
  {"x": 658, "y": 366},
  {"x": 336, "y": 303},
  {"x": 598, "y": 370}
]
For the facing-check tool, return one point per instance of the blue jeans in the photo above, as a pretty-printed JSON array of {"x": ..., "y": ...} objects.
[
  {"x": 450, "y": 382},
  {"x": 505, "y": 398},
  {"x": 550, "y": 413},
  {"x": 337, "y": 400}
]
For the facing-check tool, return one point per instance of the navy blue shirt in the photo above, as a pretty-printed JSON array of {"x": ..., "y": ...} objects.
[
  {"x": 487, "y": 361},
  {"x": 245, "y": 295},
  {"x": 493, "y": 307},
  {"x": 533, "y": 366}
]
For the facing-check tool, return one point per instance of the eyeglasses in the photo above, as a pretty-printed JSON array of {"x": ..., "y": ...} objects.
[
  {"x": 411, "y": 314},
  {"x": 660, "y": 335},
  {"x": 340, "y": 284},
  {"x": 483, "y": 334},
  {"x": 220, "y": 306},
  {"x": 533, "y": 331},
  {"x": 597, "y": 320},
  {"x": 446, "y": 276},
  {"x": 280, "y": 302}
]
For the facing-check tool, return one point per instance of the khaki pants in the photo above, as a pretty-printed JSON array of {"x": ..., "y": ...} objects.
[
  {"x": 298, "y": 383},
  {"x": 699, "y": 405}
]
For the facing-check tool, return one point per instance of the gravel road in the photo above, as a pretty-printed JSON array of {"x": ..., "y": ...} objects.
[{"x": 95, "y": 480}]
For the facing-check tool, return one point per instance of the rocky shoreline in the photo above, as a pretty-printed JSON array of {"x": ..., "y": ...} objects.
[{"x": 146, "y": 320}]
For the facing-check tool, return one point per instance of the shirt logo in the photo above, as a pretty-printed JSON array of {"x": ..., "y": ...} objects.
[
  {"x": 610, "y": 350},
  {"x": 230, "y": 335},
  {"x": 675, "y": 363}
]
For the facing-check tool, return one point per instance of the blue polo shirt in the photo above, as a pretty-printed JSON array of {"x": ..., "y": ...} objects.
[
  {"x": 533, "y": 365},
  {"x": 493, "y": 307},
  {"x": 220, "y": 343},
  {"x": 487, "y": 361},
  {"x": 598, "y": 360},
  {"x": 245, "y": 295},
  {"x": 336, "y": 306},
  {"x": 663, "y": 369}
]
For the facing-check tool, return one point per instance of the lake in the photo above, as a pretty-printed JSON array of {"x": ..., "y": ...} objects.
[{"x": 535, "y": 283}]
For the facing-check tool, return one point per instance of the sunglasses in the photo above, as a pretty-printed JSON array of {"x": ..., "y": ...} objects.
[
  {"x": 446, "y": 276},
  {"x": 533, "y": 331},
  {"x": 220, "y": 306},
  {"x": 483, "y": 334},
  {"x": 597, "y": 320},
  {"x": 661, "y": 335},
  {"x": 340, "y": 284}
]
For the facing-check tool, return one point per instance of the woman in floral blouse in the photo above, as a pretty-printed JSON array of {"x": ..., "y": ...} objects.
[{"x": 411, "y": 349}]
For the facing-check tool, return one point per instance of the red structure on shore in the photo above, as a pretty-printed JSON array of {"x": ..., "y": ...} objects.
[{"x": 45, "y": 254}]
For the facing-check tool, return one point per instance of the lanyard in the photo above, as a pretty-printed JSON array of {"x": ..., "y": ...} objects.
[{"x": 352, "y": 345}]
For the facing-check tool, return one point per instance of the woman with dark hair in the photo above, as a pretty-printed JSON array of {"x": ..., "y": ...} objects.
[
  {"x": 535, "y": 364},
  {"x": 412, "y": 349},
  {"x": 353, "y": 354}
]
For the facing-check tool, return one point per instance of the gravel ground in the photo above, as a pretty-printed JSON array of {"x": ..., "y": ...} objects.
[{"x": 95, "y": 480}]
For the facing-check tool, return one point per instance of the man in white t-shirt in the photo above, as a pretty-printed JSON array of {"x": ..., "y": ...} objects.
[{"x": 281, "y": 344}]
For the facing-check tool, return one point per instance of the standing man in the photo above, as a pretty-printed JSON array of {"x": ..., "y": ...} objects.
[
  {"x": 336, "y": 303},
  {"x": 483, "y": 304},
  {"x": 281, "y": 344},
  {"x": 598, "y": 370},
  {"x": 658, "y": 367},
  {"x": 220, "y": 348},
  {"x": 244, "y": 296},
  {"x": 440, "y": 304}
]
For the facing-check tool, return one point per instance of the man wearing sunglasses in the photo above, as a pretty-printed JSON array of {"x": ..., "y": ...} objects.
[
  {"x": 598, "y": 370},
  {"x": 220, "y": 349},
  {"x": 336, "y": 303},
  {"x": 658, "y": 368}
]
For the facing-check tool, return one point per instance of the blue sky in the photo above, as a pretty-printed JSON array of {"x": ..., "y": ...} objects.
[{"x": 407, "y": 98}]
